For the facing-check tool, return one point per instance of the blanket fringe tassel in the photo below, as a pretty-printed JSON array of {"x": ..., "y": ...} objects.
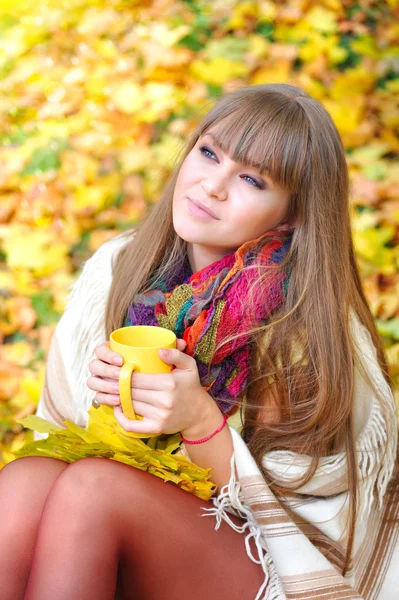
[{"x": 231, "y": 500}]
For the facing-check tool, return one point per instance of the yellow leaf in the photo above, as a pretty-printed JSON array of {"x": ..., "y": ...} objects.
[
  {"x": 289, "y": 34},
  {"x": 20, "y": 353},
  {"x": 128, "y": 97},
  {"x": 366, "y": 46},
  {"x": 393, "y": 358},
  {"x": 29, "y": 391},
  {"x": 335, "y": 5},
  {"x": 135, "y": 158},
  {"x": 313, "y": 47},
  {"x": 166, "y": 150},
  {"x": 218, "y": 71},
  {"x": 160, "y": 100},
  {"x": 78, "y": 168},
  {"x": 25, "y": 282},
  {"x": 315, "y": 88},
  {"x": 241, "y": 11},
  {"x": 370, "y": 246},
  {"x": 345, "y": 114},
  {"x": 98, "y": 196},
  {"x": 163, "y": 34},
  {"x": 267, "y": 11},
  {"x": 37, "y": 250},
  {"x": 258, "y": 46},
  {"x": 38, "y": 424},
  {"x": 337, "y": 54},
  {"x": 321, "y": 19},
  {"x": 353, "y": 82},
  {"x": 6, "y": 281},
  {"x": 278, "y": 72},
  {"x": 106, "y": 48}
]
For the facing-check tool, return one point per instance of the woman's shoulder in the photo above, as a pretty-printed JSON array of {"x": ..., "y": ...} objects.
[
  {"x": 108, "y": 251},
  {"x": 95, "y": 277},
  {"x": 100, "y": 264}
]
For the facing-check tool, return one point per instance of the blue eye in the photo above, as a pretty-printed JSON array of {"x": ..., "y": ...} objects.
[
  {"x": 204, "y": 149},
  {"x": 255, "y": 182},
  {"x": 259, "y": 185}
]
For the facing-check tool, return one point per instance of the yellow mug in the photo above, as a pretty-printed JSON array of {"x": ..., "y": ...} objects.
[{"x": 139, "y": 345}]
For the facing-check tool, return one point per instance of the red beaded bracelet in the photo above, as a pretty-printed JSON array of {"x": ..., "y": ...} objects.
[{"x": 205, "y": 439}]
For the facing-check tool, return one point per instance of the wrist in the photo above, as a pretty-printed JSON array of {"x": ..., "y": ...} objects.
[{"x": 209, "y": 421}]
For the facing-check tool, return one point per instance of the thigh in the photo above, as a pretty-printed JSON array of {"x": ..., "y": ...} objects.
[
  {"x": 163, "y": 541},
  {"x": 24, "y": 487},
  {"x": 176, "y": 549}
]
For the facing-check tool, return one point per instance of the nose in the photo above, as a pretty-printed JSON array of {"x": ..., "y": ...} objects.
[{"x": 214, "y": 187}]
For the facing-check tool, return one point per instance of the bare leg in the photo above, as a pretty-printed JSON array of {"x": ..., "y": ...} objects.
[
  {"x": 107, "y": 514},
  {"x": 24, "y": 485}
]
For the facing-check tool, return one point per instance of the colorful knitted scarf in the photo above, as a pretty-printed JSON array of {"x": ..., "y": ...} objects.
[{"x": 205, "y": 307}]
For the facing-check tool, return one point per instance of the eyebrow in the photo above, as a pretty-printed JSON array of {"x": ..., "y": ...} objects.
[{"x": 256, "y": 166}]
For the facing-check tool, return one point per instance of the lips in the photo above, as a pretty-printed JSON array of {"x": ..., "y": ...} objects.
[{"x": 204, "y": 208}]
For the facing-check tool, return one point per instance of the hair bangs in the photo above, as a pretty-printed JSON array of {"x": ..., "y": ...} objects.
[{"x": 274, "y": 141}]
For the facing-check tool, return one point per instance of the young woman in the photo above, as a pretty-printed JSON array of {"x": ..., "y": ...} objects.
[{"x": 248, "y": 257}]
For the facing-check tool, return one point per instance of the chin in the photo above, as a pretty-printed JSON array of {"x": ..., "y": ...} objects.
[{"x": 189, "y": 231}]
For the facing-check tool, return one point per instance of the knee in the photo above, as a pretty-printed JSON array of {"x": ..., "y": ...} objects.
[
  {"x": 28, "y": 467},
  {"x": 92, "y": 489},
  {"x": 29, "y": 478},
  {"x": 24, "y": 485},
  {"x": 83, "y": 492}
]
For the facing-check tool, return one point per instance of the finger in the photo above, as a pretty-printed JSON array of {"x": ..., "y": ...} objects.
[
  {"x": 104, "y": 353},
  {"x": 154, "y": 399},
  {"x": 103, "y": 369},
  {"x": 181, "y": 344},
  {"x": 145, "y": 410},
  {"x": 102, "y": 385},
  {"x": 175, "y": 357},
  {"x": 136, "y": 425},
  {"x": 153, "y": 381},
  {"x": 109, "y": 399}
]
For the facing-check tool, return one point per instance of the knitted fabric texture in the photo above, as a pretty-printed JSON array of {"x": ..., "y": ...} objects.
[{"x": 206, "y": 307}]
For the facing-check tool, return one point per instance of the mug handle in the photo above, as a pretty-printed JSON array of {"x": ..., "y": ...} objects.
[{"x": 125, "y": 378}]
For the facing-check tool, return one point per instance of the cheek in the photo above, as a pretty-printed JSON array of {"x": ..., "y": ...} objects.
[{"x": 252, "y": 220}]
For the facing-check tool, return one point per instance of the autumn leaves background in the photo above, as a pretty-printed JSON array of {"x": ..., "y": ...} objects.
[{"x": 97, "y": 97}]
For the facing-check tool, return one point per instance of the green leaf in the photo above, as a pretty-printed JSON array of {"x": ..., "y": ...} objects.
[
  {"x": 228, "y": 47},
  {"x": 377, "y": 171},
  {"x": 265, "y": 29},
  {"x": 370, "y": 153},
  {"x": 42, "y": 303},
  {"x": 45, "y": 158},
  {"x": 389, "y": 328},
  {"x": 42, "y": 160}
]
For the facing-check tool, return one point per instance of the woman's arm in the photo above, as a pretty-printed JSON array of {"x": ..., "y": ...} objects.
[{"x": 216, "y": 453}]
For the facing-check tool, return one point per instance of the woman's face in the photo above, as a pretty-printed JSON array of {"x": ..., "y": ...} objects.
[{"x": 245, "y": 203}]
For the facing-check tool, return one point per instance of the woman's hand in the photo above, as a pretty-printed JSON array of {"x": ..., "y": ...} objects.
[
  {"x": 105, "y": 373},
  {"x": 169, "y": 402}
]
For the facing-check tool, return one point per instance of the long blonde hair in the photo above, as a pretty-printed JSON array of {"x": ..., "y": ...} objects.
[{"x": 279, "y": 127}]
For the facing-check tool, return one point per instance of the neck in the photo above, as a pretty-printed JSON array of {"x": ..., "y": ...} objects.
[{"x": 201, "y": 256}]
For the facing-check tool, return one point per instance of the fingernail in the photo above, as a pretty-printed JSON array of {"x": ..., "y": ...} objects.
[
  {"x": 116, "y": 372},
  {"x": 117, "y": 360}
]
